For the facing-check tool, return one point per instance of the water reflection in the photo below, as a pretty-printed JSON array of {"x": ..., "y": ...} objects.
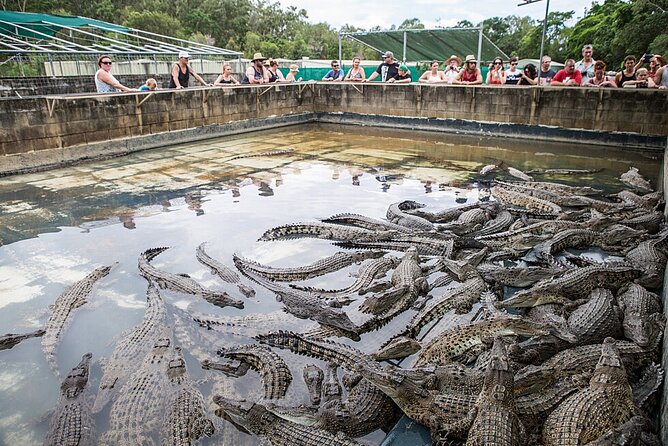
[{"x": 57, "y": 226}]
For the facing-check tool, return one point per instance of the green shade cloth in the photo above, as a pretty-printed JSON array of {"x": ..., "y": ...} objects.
[
  {"x": 434, "y": 44},
  {"x": 36, "y": 22}
]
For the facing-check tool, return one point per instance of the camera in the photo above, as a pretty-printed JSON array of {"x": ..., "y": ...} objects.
[{"x": 648, "y": 57}]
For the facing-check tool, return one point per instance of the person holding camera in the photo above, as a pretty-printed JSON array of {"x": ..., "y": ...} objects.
[
  {"x": 642, "y": 80},
  {"x": 496, "y": 74}
]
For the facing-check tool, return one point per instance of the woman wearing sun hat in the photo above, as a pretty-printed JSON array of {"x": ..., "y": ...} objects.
[
  {"x": 257, "y": 73},
  {"x": 471, "y": 74},
  {"x": 452, "y": 68},
  {"x": 292, "y": 75}
]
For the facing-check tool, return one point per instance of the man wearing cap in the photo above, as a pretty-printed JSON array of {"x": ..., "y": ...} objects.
[
  {"x": 257, "y": 73},
  {"x": 452, "y": 68},
  {"x": 181, "y": 72},
  {"x": 402, "y": 77},
  {"x": 387, "y": 70}
]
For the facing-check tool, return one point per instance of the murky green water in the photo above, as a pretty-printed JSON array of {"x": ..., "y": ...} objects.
[{"x": 57, "y": 226}]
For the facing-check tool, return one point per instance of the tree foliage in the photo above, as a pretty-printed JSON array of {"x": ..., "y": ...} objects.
[{"x": 615, "y": 28}]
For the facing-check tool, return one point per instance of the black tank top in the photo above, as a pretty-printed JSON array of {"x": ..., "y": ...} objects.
[
  {"x": 273, "y": 77},
  {"x": 183, "y": 77},
  {"x": 625, "y": 78}
]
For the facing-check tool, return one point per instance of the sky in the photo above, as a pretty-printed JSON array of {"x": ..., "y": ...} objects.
[{"x": 369, "y": 13}]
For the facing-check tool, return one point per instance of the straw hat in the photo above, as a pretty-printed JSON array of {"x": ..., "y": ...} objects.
[
  {"x": 471, "y": 58},
  {"x": 294, "y": 67},
  {"x": 453, "y": 57},
  {"x": 258, "y": 56}
]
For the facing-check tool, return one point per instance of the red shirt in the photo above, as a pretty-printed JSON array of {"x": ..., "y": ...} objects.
[{"x": 562, "y": 76}]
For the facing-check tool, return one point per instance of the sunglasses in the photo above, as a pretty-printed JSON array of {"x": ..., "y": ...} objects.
[
  {"x": 335, "y": 66},
  {"x": 514, "y": 64},
  {"x": 498, "y": 63},
  {"x": 105, "y": 63}
]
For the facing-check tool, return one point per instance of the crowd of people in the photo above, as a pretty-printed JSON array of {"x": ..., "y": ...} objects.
[{"x": 587, "y": 72}]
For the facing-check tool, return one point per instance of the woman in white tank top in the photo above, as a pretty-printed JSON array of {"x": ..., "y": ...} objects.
[
  {"x": 433, "y": 76},
  {"x": 105, "y": 82}
]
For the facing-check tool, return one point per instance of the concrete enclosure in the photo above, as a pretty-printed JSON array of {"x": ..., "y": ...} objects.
[{"x": 48, "y": 131}]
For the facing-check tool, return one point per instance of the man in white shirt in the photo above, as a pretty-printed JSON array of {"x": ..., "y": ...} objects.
[
  {"x": 513, "y": 75},
  {"x": 586, "y": 65}
]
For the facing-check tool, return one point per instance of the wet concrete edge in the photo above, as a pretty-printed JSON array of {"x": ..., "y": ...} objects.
[{"x": 663, "y": 412}]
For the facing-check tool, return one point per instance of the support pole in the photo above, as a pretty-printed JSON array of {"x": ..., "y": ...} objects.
[
  {"x": 480, "y": 48},
  {"x": 404, "y": 57},
  {"x": 542, "y": 40},
  {"x": 340, "y": 53}
]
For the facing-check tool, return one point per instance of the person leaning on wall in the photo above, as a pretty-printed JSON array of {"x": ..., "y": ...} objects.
[
  {"x": 470, "y": 74},
  {"x": 105, "y": 82},
  {"x": 181, "y": 72}
]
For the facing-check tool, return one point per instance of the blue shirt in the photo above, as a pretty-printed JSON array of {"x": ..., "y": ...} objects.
[{"x": 330, "y": 74}]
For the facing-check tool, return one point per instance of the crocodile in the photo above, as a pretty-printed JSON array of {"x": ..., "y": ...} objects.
[
  {"x": 397, "y": 214},
  {"x": 182, "y": 283},
  {"x": 579, "y": 360},
  {"x": 306, "y": 305},
  {"x": 397, "y": 348},
  {"x": 569, "y": 238},
  {"x": 472, "y": 220},
  {"x": 254, "y": 418},
  {"x": 496, "y": 419},
  {"x": 516, "y": 276},
  {"x": 596, "y": 319},
  {"x": 500, "y": 223},
  {"x": 533, "y": 407},
  {"x": 634, "y": 179},
  {"x": 408, "y": 282},
  {"x": 365, "y": 410},
  {"x": 313, "y": 378},
  {"x": 573, "y": 284},
  {"x": 650, "y": 257},
  {"x": 557, "y": 187},
  {"x": 643, "y": 317},
  {"x": 327, "y": 265},
  {"x": 72, "y": 422},
  {"x": 223, "y": 271},
  {"x": 320, "y": 230},
  {"x": 526, "y": 236},
  {"x": 460, "y": 299},
  {"x": 274, "y": 372},
  {"x": 649, "y": 221},
  {"x": 564, "y": 171},
  {"x": 263, "y": 154},
  {"x": 131, "y": 348},
  {"x": 10, "y": 340},
  {"x": 636, "y": 431},
  {"x": 591, "y": 412},
  {"x": 648, "y": 201},
  {"x": 364, "y": 222},
  {"x": 464, "y": 343},
  {"x": 365, "y": 276},
  {"x": 651, "y": 378},
  {"x": 521, "y": 199},
  {"x": 446, "y": 215},
  {"x": 75, "y": 296},
  {"x": 557, "y": 197},
  {"x": 427, "y": 246},
  {"x": 137, "y": 411},
  {"x": 185, "y": 421}
]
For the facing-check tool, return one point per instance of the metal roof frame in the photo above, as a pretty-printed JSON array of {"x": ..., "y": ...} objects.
[{"x": 135, "y": 41}]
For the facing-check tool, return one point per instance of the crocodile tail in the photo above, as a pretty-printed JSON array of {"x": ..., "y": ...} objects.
[{"x": 152, "y": 253}]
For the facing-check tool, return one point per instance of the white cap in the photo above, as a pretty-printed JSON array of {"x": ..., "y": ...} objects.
[{"x": 184, "y": 54}]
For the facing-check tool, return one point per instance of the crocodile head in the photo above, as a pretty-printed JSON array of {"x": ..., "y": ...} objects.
[
  {"x": 339, "y": 319},
  {"x": 498, "y": 383},
  {"x": 313, "y": 378},
  {"x": 236, "y": 412},
  {"x": 610, "y": 370},
  {"x": 76, "y": 380},
  {"x": 399, "y": 347},
  {"x": 643, "y": 330}
]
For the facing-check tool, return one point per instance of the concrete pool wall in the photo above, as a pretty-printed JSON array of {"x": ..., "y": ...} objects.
[{"x": 49, "y": 131}]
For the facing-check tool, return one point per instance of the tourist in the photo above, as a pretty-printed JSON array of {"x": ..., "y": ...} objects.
[
  {"x": 181, "y": 72},
  {"x": 275, "y": 74},
  {"x": 150, "y": 85},
  {"x": 105, "y": 82},
  {"x": 292, "y": 75},
  {"x": 568, "y": 76},
  {"x": 433, "y": 76},
  {"x": 256, "y": 73},
  {"x": 335, "y": 74},
  {"x": 226, "y": 77},
  {"x": 452, "y": 68},
  {"x": 386, "y": 70},
  {"x": 600, "y": 79},
  {"x": 661, "y": 77},
  {"x": 546, "y": 71},
  {"x": 628, "y": 73},
  {"x": 655, "y": 62},
  {"x": 529, "y": 75},
  {"x": 513, "y": 75},
  {"x": 586, "y": 65},
  {"x": 642, "y": 80},
  {"x": 471, "y": 74},
  {"x": 496, "y": 75},
  {"x": 356, "y": 73},
  {"x": 402, "y": 77}
]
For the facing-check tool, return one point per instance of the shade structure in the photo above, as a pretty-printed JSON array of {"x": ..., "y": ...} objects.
[
  {"x": 430, "y": 44},
  {"x": 48, "y": 24}
]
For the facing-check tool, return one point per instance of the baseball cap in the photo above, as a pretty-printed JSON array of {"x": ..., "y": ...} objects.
[{"x": 184, "y": 54}]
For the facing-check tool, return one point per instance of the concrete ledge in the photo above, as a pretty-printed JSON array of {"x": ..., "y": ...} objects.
[{"x": 59, "y": 157}]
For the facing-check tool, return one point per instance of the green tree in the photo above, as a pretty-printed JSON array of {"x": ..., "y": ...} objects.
[
  {"x": 556, "y": 37},
  {"x": 153, "y": 21},
  {"x": 414, "y": 23}
]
